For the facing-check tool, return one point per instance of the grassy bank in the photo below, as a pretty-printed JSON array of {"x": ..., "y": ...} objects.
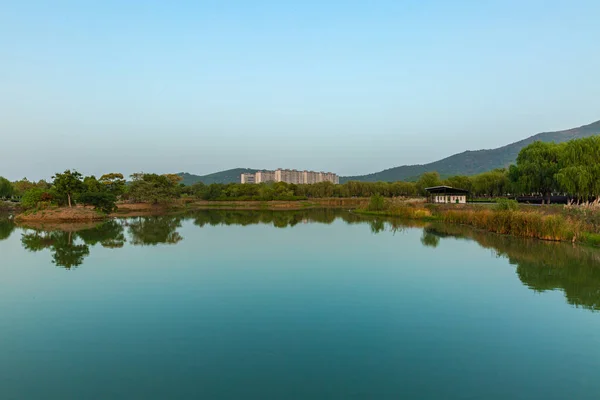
[{"x": 535, "y": 223}]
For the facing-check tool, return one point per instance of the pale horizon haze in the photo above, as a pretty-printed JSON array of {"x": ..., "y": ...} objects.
[{"x": 351, "y": 87}]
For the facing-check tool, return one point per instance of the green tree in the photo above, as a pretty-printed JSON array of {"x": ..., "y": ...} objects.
[
  {"x": 152, "y": 188},
  {"x": 492, "y": 183},
  {"x": 579, "y": 172},
  {"x": 538, "y": 164},
  {"x": 114, "y": 183},
  {"x": 428, "y": 179},
  {"x": 459, "y": 182},
  {"x": 6, "y": 188},
  {"x": 102, "y": 201},
  {"x": 34, "y": 197},
  {"x": 68, "y": 184},
  {"x": 91, "y": 184},
  {"x": 377, "y": 203}
]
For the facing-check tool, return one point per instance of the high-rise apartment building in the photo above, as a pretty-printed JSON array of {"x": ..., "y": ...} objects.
[
  {"x": 247, "y": 178},
  {"x": 290, "y": 176}
]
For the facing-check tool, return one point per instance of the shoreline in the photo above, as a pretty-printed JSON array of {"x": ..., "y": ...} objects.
[
  {"x": 547, "y": 223},
  {"x": 541, "y": 224},
  {"x": 124, "y": 210}
]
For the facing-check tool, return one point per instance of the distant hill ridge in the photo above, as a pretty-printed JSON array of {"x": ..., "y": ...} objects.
[
  {"x": 228, "y": 176},
  {"x": 469, "y": 162},
  {"x": 478, "y": 161}
]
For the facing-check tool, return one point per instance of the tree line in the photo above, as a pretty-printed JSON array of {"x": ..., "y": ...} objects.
[
  {"x": 71, "y": 187},
  {"x": 571, "y": 168}
]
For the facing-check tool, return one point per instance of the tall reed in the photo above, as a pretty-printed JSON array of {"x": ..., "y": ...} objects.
[{"x": 517, "y": 223}]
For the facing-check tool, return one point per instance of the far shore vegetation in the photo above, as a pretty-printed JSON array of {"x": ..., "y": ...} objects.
[{"x": 542, "y": 170}]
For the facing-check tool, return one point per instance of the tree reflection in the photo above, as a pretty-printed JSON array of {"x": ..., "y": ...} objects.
[
  {"x": 541, "y": 265},
  {"x": 429, "y": 239},
  {"x": 65, "y": 253},
  {"x": 70, "y": 246},
  {"x": 109, "y": 234},
  {"x": 279, "y": 219},
  {"x": 150, "y": 231},
  {"x": 377, "y": 226},
  {"x": 6, "y": 228}
]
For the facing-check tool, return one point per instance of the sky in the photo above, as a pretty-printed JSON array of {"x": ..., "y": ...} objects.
[{"x": 351, "y": 87}]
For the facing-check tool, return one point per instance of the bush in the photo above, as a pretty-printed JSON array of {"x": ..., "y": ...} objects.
[
  {"x": 102, "y": 201},
  {"x": 36, "y": 197},
  {"x": 377, "y": 203},
  {"x": 506, "y": 205}
]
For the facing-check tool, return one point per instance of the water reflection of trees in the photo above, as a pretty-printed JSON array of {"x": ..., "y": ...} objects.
[
  {"x": 7, "y": 226},
  {"x": 70, "y": 246},
  {"x": 66, "y": 251},
  {"x": 150, "y": 231},
  {"x": 279, "y": 219},
  {"x": 541, "y": 265}
]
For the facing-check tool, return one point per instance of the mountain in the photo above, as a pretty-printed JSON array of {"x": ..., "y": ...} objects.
[
  {"x": 474, "y": 162},
  {"x": 229, "y": 176},
  {"x": 465, "y": 163}
]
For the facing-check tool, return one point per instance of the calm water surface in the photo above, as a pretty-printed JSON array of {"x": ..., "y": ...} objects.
[{"x": 294, "y": 305}]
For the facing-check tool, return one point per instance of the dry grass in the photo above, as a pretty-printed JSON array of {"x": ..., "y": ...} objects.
[{"x": 517, "y": 223}]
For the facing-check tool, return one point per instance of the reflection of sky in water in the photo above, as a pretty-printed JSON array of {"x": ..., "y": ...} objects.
[{"x": 317, "y": 310}]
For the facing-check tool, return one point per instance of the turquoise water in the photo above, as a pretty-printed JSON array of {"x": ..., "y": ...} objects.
[{"x": 294, "y": 305}]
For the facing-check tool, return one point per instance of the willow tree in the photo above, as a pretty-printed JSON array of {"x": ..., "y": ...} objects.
[
  {"x": 6, "y": 188},
  {"x": 538, "y": 164},
  {"x": 579, "y": 172}
]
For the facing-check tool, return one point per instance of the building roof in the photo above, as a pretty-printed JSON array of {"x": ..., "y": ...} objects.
[{"x": 446, "y": 190}]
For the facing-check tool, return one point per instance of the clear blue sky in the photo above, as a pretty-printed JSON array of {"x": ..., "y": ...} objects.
[{"x": 348, "y": 86}]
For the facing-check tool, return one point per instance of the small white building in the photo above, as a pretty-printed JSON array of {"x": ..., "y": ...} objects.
[{"x": 447, "y": 195}]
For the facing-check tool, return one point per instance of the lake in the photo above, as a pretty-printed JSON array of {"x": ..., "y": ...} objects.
[{"x": 315, "y": 304}]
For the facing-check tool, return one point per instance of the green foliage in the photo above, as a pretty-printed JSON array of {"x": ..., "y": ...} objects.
[
  {"x": 459, "y": 182},
  {"x": 152, "y": 188},
  {"x": 428, "y": 179},
  {"x": 579, "y": 162},
  {"x": 102, "y": 201},
  {"x": 68, "y": 184},
  {"x": 490, "y": 184},
  {"x": 377, "y": 203},
  {"x": 20, "y": 187},
  {"x": 537, "y": 165},
  {"x": 35, "y": 198},
  {"x": 506, "y": 205},
  {"x": 6, "y": 188},
  {"x": 91, "y": 184},
  {"x": 114, "y": 183},
  {"x": 571, "y": 168}
]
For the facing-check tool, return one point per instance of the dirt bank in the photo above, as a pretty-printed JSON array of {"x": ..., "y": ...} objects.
[
  {"x": 85, "y": 214},
  {"x": 144, "y": 209},
  {"x": 74, "y": 214}
]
